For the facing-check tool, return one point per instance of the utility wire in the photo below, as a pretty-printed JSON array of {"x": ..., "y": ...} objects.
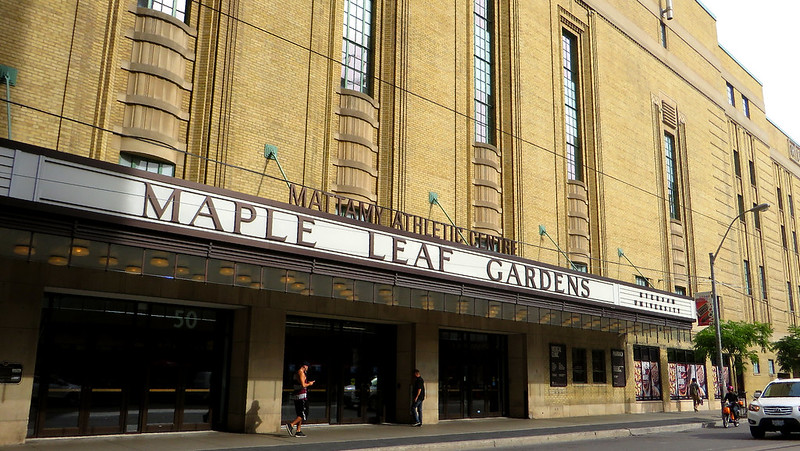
[
  {"x": 418, "y": 96},
  {"x": 259, "y": 173},
  {"x": 461, "y": 114},
  {"x": 438, "y": 104},
  {"x": 765, "y": 302},
  {"x": 534, "y": 246}
]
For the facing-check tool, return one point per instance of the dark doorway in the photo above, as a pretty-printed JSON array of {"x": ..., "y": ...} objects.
[
  {"x": 108, "y": 366},
  {"x": 353, "y": 366},
  {"x": 472, "y": 375}
]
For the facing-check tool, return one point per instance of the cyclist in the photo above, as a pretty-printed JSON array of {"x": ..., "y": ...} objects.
[{"x": 731, "y": 400}]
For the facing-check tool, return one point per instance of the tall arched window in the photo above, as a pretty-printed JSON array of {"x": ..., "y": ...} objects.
[
  {"x": 484, "y": 98},
  {"x": 175, "y": 8},
  {"x": 672, "y": 176},
  {"x": 356, "y": 46},
  {"x": 571, "y": 106}
]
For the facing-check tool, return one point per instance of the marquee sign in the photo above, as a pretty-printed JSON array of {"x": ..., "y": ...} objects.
[{"x": 267, "y": 224}]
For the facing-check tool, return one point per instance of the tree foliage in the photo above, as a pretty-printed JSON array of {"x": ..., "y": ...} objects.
[
  {"x": 739, "y": 341},
  {"x": 788, "y": 350}
]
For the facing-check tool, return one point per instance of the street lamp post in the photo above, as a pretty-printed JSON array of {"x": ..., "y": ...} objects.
[{"x": 715, "y": 302}]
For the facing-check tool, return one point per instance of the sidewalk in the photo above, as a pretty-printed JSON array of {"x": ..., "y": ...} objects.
[{"x": 452, "y": 434}]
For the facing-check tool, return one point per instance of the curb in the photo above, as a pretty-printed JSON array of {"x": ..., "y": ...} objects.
[{"x": 545, "y": 439}]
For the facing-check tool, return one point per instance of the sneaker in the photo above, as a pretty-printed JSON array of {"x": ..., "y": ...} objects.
[
  {"x": 299, "y": 434},
  {"x": 290, "y": 429},
  {"x": 417, "y": 425}
]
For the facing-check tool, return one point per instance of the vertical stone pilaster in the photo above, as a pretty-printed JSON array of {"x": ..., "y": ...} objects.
[
  {"x": 426, "y": 350},
  {"x": 537, "y": 372},
  {"x": 418, "y": 347},
  {"x": 20, "y": 303},
  {"x": 518, "y": 376},
  {"x": 665, "y": 388},
  {"x": 265, "y": 370}
]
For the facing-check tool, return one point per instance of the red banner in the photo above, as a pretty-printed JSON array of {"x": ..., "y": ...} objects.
[{"x": 705, "y": 311}]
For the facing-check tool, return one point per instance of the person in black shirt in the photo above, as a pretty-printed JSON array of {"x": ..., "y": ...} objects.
[
  {"x": 418, "y": 395},
  {"x": 732, "y": 401},
  {"x": 300, "y": 396},
  {"x": 731, "y": 396}
]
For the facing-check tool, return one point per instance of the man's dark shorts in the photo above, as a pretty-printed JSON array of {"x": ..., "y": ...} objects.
[{"x": 301, "y": 408}]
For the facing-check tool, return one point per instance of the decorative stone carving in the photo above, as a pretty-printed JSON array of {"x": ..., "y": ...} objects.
[
  {"x": 157, "y": 86},
  {"x": 487, "y": 189},
  {"x": 356, "y": 159},
  {"x": 578, "y": 222}
]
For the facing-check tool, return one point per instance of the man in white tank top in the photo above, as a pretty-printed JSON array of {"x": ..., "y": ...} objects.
[{"x": 300, "y": 396}]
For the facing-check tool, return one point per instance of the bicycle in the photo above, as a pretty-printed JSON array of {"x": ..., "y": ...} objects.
[{"x": 731, "y": 413}]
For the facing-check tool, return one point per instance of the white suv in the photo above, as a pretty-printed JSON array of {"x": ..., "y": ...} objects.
[{"x": 776, "y": 409}]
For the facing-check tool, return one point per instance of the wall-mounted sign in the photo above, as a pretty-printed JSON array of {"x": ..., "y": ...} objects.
[
  {"x": 794, "y": 152},
  {"x": 10, "y": 373},
  {"x": 323, "y": 201},
  {"x": 558, "y": 365},
  {"x": 618, "y": 367},
  {"x": 409, "y": 244},
  {"x": 705, "y": 310}
]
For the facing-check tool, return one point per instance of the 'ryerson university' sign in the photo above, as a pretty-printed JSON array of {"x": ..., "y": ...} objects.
[{"x": 193, "y": 208}]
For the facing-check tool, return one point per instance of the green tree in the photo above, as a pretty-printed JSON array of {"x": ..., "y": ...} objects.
[
  {"x": 739, "y": 341},
  {"x": 788, "y": 351}
]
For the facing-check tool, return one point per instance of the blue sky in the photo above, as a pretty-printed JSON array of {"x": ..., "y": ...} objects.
[{"x": 763, "y": 36}]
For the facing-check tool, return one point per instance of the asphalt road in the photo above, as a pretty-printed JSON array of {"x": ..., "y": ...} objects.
[{"x": 715, "y": 438}]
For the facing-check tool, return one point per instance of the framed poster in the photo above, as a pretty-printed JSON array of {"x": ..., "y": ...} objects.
[
  {"x": 10, "y": 373},
  {"x": 618, "y": 368},
  {"x": 558, "y": 365}
]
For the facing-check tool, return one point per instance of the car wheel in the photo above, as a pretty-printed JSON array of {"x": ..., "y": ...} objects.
[{"x": 757, "y": 432}]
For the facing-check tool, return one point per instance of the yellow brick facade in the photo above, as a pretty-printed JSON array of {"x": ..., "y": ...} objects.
[{"x": 262, "y": 72}]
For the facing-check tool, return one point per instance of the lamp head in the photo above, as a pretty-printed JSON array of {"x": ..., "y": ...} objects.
[
  {"x": 666, "y": 13},
  {"x": 760, "y": 207}
]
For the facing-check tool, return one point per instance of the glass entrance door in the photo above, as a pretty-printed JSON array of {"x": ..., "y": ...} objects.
[
  {"x": 360, "y": 394},
  {"x": 161, "y": 399},
  {"x": 110, "y": 366},
  {"x": 472, "y": 374},
  {"x": 352, "y": 364},
  {"x": 107, "y": 384}
]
